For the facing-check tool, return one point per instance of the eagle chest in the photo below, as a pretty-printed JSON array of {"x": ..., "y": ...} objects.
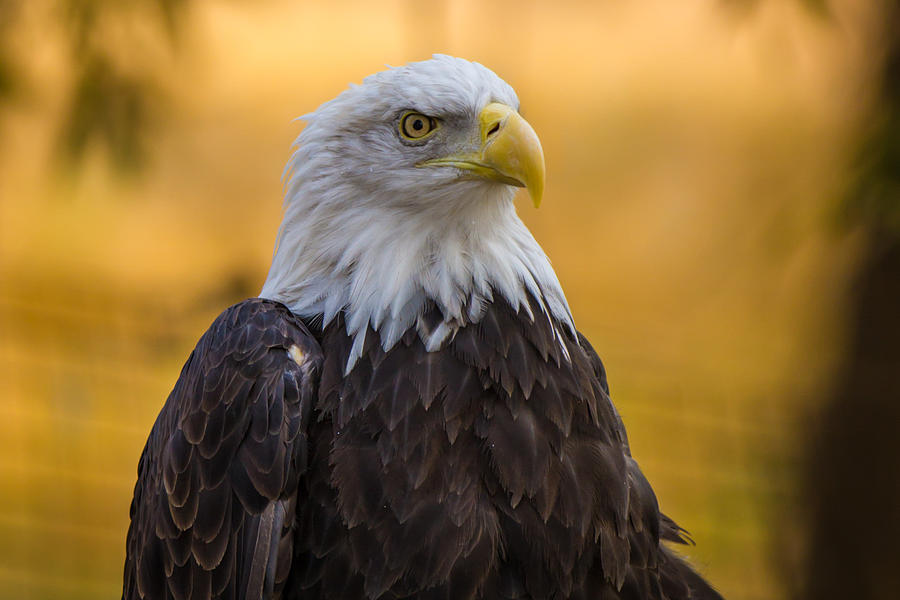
[{"x": 444, "y": 468}]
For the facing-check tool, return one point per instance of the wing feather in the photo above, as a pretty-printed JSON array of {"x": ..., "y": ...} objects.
[{"x": 214, "y": 505}]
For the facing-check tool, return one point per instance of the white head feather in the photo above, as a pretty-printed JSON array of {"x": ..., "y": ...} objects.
[{"x": 369, "y": 233}]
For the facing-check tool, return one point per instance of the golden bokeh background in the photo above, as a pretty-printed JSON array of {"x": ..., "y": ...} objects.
[{"x": 696, "y": 152}]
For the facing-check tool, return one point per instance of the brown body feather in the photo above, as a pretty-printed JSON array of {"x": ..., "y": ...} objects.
[
  {"x": 495, "y": 467},
  {"x": 214, "y": 509}
]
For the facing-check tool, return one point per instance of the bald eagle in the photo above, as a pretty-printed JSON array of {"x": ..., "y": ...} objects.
[{"x": 407, "y": 410}]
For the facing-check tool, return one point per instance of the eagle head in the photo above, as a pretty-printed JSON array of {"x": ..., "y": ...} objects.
[{"x": 400, "y": 192}]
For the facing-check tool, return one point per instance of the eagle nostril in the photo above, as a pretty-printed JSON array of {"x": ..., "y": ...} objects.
[{"x": 494, "y": 129}]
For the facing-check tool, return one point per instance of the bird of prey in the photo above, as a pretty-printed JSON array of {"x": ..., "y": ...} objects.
[{"x": 407, "y": 410}]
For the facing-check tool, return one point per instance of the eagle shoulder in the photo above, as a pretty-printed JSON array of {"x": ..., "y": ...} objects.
[{"x": 213, "y": 508}]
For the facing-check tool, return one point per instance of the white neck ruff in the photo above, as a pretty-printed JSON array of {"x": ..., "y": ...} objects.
[{"x": 380, "y": 265}]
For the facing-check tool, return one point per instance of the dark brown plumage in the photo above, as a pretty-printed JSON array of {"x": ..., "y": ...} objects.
[
  {"x": 214, "y": 507},
  {"x": 495, "y": 467}
]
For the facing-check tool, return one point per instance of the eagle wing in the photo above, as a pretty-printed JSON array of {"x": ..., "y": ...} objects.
[
  {"x": 214, "y": 505},
  {"x": 647, "y": 526}
]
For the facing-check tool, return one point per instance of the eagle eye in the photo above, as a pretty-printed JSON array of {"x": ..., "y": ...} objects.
[{"x": 415, "y": 126}]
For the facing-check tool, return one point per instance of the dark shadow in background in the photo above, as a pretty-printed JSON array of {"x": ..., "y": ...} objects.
[
  {"x": 852, "y": 487},
  {"x": 105, "y": 103}
]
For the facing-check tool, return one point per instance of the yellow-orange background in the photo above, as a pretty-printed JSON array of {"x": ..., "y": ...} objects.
[{"x": 695, "y": 152}]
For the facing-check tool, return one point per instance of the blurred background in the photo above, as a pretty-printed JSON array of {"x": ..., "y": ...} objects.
[{"x": 721, "y": 208}]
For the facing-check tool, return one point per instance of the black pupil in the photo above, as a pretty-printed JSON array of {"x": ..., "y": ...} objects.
[{"x": 418, "y": 124}]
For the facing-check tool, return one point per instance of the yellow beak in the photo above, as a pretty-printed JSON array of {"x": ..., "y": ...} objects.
[{"x": 510, "y": 152}]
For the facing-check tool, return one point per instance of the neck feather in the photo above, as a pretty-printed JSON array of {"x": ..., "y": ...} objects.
[{"x": 381, "y": 265}]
